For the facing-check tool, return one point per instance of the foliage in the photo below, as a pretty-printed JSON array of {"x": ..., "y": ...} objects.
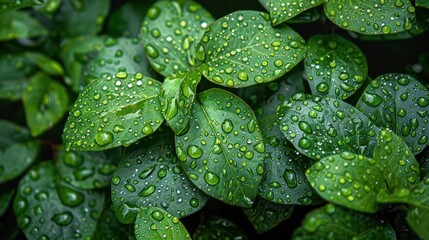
[{"x": 197, "y": 119}]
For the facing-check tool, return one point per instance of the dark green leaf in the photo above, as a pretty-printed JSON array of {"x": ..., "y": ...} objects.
[
  {"x": 113, "y": 111},
  {"x": 17, "y": 150},
  {"x": 108, "y": 227},
  {"x": 169, "y": 33},
  {"x": 45, "y": 63},
  {"x": 15, "y": 65},
  {"x": 319, "y": 126},
  {"x": 50, "y": 210},
  {"x": 243, "y": 49},
  {"x": 371, "y": 17},
  {"x": 10, "y": 5},
  {"x": 177, "y": 96},
  {"x": 153, "y": 223},
  {"x": 335, "y": 67},
  {"x": 265, "y": 215},
  {"x": 422, "y": 3},
  {"x": 150, "y": 175},
  {"x": 334, "y": 222},
  {"x": 212, "y": 227},
  {"x": 310, "y": 15},
  {"x": 417, "y": 219},
  {"x": 19, "y": 24},
  {"x": 222, "y": 151},
  {"x": 5, "y": 199},
  {"x": 45, "y": 103},
  {"x": 401, "y": 103},
  {"x": 283, "y": 10},
  {"x": 49, "y": 7}
]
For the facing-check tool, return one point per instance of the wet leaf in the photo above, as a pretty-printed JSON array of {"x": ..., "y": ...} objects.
[
  {"x": 324, "y": 223},
  {"x": 177, "y": 96},
  {"x": 320, "y": 126},
  {"x": 17, "y": 150},
  {"x": 422, "y": 3},
  {"x": 50, "y": 210},
  {"x": 113, "y": 111},
  {"x": 222, "y": 151},
  {"x": 372, "y": 17},
  {"x": 10, "y": 5},
  {"x": 169, "y": 33},
  {"x": 243, "y": 49},
  {"x": 335, "y": 67},
  {"x": 212, "y": 227},
  {"x": 265, "y": 215},
  {"x": 19, "y": 24},
  {"x": 45, "y": 103},
  {"x": 45, "y": 63},
  {"x": 155, "y": 223},
  {"x": 88, "y": 170},
  {"x": 417, "y": 219},
  {"x": 401, "y": 103},
  {"x": 283, "y": 10},
  {"x": 109, "y": 226},
  {"x": 5, "y": 200},
  {"x": 150, "y": 175}
]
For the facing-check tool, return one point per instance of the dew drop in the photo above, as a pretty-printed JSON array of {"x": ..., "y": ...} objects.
[
  {"x": 147, "y": 191},
  {"x": 63, "y": 218},
  {"x": 211, "y": 178},
  {"x": 289, "y": 176},
  {"x": 69, "y": 196},
  {"x": 371, "y": 100},
  {"x": 103, "y": 138},
  {"x": 227, "y": 126},
  {"x": 195, "y": 151}
]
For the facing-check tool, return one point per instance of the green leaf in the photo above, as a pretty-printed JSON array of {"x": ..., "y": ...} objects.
[
  {"x": 115, "y": 55},
  {"x": 45, "y": 103},
  {"x": 45, "y": 63},
  {"x": 177, "y": 96},
  {"x": 265, "y": 215},
  {"x": 169, "y": 33},
  {"x": 113, "y": 111},
  {"x": 243, "y": 49},
  {"x": 334, "y": 222},
  {"x": 49, "y": 7},
  {"x": 283, "y": 10},
  {"x": 320, "y": 126},
  {"x": 19, "y": 24},
  {"x": 88, "y": 170},
  {"x": 335, "y": 67},
  {"x": 10, "y": 5},
  {"x": 17, "y": 150},
  {"x": 422, "y": 3},
  {"x": 108, "y": 226},
  {"x": 222, "y": 151},
  {"x": 54, "y": 210},
  {"x": 212, "y": 227},
  {"x": 348, "y": 179},
  {"x": 401, "y": 103},
  {"x": 372, "y": 17},
  {"x": 154, "y": 223},
  {"x": 283, "y": 180},
  {"x": 150, "y": 175},
  {"x": 417, "y": 219},
  {"x": 5, "y": 199}
]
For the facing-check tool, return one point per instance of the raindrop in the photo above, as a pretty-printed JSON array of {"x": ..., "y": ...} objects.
[
  {"x": 371, "y": 100},
  {"x": 227, "y": 126},
  {"x": 63, "y": 218},
  {"x": 103, "y": 138},
  {"x": 69, "y": 196},
  {"x": 211, "y": 178},
  {"x": 289, "y": 176},
  {"x": 147, "y": 191},
  {"x": 195, "y": 151}
]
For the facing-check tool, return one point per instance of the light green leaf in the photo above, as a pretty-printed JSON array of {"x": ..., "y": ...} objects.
[
  {"x": 177, "y": 96},
  {"x": 150, "y": 174},
  {"x": 45, "y": 63},
  {"x": 54, "y": 210},
  {"x": 401, "y": 103},
  {"x": 417, "y": 219},
  {"x": 169, "y": 33},
  {"x": 45, "y": 103},
  {"x": 334, "y": 66},
  {"x": 320, "y": 126},
  {"x": 219, "y": 228},
  {"x": 113, "y": 111},
  {"x": 422, "y": 3},
  {"x": 283, "y": 10},
  {"x": 19, "y": 24},
  {"x": 155, "y": 223},
  {"x": 372, "y": 17},
  {"x": 10, "y": 5},
  {"x": 222, "y": 151},
  {"x": 243, "y": 49}
]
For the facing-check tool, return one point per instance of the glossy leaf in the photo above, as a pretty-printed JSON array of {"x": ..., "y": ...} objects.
[
  {"x": 155, "y": 223},
  {"x": 113, "y": 111},
  {"x": 212, "y": 227},
  {"x": 49, "y": 7},
  {"x": 45, "y": 103},
  {"x": 283, "y": 180},
  {"x": 150, "y": 175},
  {"x": 283, "y": 10},
  {"x": 334, "y": 66},
  {"x": 243, "y": 49},
  {"x": 169, "y": 33},
  {"x": 320, "y": 126},
  {"x": 265, "y": 215},
  {"x": 5, "y": 199},
  {"x": 46, "y": 209},
  {"x": 17, "y": 150},
  {"x": 422, "y": 3},
  {"x": 177, "y": 96},
  {"x": 371, "y": 17},
  {"x": 19, "y": 24},
  {"x": 401, "y": 103},
  {"x": 10, "y": 5},
  {"x": 45, "y": 63},
  {"x": 88, "y": 170},
  {"x": 335, "y": 222},
  {"x": 417, "y": 219},
  {"x": 222, "y": 151},
  {"x": 108, "y": 226}
]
